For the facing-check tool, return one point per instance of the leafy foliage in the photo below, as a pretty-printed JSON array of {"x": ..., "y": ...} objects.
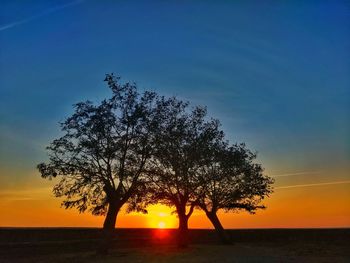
[
  {"x": 181, "y": 143},
  {"x": 144, "y": 149},
  {"x": 103, "y": 153},
  {"x": 232, "y": 181}
]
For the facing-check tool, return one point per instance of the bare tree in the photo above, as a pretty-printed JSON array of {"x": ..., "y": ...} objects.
[
  {"x": 231, "y": 181},
  {"x": 102, "y": 155}
]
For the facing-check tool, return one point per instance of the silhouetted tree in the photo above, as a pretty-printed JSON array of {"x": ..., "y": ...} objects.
[
  {"x": 103, "y": 152},
  {"x": 180, "y": 142},
  {"x": 145, "y": 149},
  {"x": 231, "y": 181}
]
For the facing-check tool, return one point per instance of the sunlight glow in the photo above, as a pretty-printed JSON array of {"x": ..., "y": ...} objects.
[
  {"x": 161, "y": 225},
  {"x": 160, "y": 216}
]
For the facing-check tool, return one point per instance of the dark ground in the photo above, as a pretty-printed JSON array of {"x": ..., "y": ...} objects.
[{"x": 152, "y": 245}]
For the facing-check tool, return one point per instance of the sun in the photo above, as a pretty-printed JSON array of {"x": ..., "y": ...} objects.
[
  {"x": 160, "y": 216},
  {"x": 161, "y": 224}
]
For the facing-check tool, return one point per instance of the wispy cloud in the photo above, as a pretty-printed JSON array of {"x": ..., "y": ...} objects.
[
  {"x": 44, "y": 13},
  {"x": 310, "y": 185},
  {"x": 25, "y": 195},
  {"x": 294, "y": 174}
]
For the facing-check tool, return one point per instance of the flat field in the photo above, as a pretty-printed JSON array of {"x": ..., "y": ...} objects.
[{"x": 155, "y": 245}]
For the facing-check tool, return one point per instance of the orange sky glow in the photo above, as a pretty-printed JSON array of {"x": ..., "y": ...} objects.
[{"x": 297, "y": 207}]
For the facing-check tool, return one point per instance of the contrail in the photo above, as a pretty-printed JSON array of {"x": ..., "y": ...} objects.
[
  {"x": 298, "y": 173},
  {"x": 45, "y": 13},
  {"x": 309, "y": 185}
]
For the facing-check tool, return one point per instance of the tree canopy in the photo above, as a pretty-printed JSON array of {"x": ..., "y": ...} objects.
[
  {"x": 180, "y": 150},
  {"x": 231, "y": 181},
  {"x": 102, "y": 155},
  {"x": 143, "y": 149}
]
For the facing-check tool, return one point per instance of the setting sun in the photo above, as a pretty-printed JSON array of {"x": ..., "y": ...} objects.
[
  {"x": 161, "y": 225},
  {"x": 160, "y": 216}
]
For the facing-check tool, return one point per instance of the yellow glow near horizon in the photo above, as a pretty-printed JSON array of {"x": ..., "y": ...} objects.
[
  {"x": 32, "y": 204},
  {"x": 159, "y": 216},
  {"x": 161, "y": 224}
]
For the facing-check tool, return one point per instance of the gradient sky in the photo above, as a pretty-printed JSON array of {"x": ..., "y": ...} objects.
[{"x": 277, "y": 75}]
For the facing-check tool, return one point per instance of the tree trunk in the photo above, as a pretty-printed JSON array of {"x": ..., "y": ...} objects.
[
  {"x": 225, "y": 239},
  {"x": 108, "y": 228},
  {"x": 111, "y": 217},
  {"x": 182, "y": 239}
]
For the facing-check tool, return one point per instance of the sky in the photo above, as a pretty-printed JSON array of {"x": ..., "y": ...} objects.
[{"x": 276, "y": 74}]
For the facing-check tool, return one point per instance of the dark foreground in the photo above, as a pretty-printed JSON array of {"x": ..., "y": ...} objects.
[{"x": 151, "y": 245}]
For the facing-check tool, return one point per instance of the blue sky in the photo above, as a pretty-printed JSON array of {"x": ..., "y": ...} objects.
[{"x": 277, "y": 75}]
